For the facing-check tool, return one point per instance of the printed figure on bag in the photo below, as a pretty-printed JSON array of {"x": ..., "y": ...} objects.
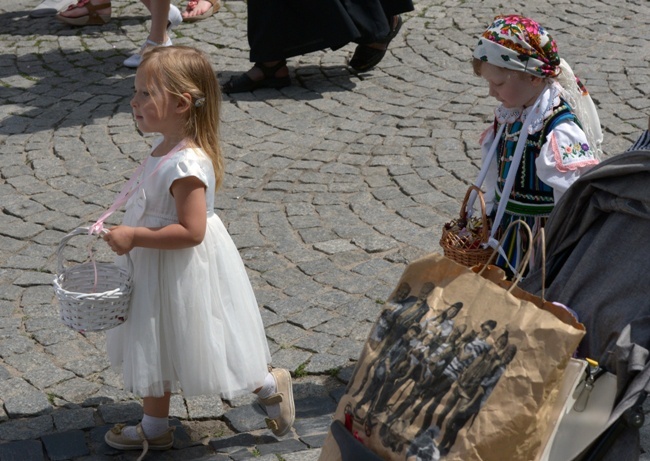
[{"x": 429, "y": 377}]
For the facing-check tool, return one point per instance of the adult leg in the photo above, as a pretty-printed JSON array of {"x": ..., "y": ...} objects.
[
  {"x": 86, "y": 13},
  {"x": 159, "y": 20},
  {"x": 164, "y": 17},
  {"x": 279, "y": 29}
]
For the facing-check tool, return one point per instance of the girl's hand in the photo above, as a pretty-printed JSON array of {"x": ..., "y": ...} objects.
[{"x": 120, "y": 239}]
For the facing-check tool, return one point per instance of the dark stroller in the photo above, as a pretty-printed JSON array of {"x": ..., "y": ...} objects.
[{"x": 598, "y": 264}]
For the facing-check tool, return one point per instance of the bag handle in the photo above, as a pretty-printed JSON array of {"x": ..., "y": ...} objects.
[
  {"x": 542, "y": 238},
  {"x": 525, "y": 260}
]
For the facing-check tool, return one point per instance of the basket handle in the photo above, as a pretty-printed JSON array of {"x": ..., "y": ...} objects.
[
  {"x": 485, "y": 236},
  {"x": 81, "y": 231}
]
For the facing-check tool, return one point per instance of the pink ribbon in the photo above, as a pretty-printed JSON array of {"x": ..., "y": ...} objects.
[{"x": 129, "y": 189}]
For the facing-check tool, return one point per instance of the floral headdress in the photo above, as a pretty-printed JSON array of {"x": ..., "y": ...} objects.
[{"x": 518, "y": 43}]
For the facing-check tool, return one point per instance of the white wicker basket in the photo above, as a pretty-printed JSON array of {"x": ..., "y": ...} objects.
[{"x": 88, "y": 306}]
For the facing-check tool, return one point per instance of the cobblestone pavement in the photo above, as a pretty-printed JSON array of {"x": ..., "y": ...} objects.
[{"x": 332, "y": 186}]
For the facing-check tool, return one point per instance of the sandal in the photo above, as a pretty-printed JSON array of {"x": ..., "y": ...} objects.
[
  {"x": 243, "y": 83},
  {"x": 284, "y": 398},
  {"x": 91, "y": 18},
  {"x": 114, "y": 438},
  {"x": 366, "y": 57},
  {"x": 192, "y": 4},
  {"x": 135, "y": 59},
  {"x": 174, "y": 19},
  {"x": 50, "y": 8}
]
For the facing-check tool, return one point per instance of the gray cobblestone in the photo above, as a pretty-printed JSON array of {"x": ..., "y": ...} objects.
[
  {"x": 204, "y": 407},
  {"x": 120, "y": 412},
  {"x": 323, "y": 363},
  {"x": 18, "y": 451},
  {"x": 24, "y": 429},
  {"x": 65, "y": 445},
  {"x": 75, "y": 390},
  {"x": 79, "y": 418},
  {"x": 27, "y": 404}
]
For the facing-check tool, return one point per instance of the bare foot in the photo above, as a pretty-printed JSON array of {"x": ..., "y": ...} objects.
[
  {"x": 80, "y": 9},
  {"x": 196, "y": 8}
]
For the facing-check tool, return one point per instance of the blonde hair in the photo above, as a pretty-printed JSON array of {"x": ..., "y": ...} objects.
[{"x": 183, "y": 69}]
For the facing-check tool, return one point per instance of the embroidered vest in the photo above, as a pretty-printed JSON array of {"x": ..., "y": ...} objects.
[{"x": 530, "y": 196}]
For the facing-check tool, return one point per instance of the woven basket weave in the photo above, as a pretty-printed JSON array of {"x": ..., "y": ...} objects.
[
  {"x": 92, "y": 296},
  {"x": 462, "y": 239}
]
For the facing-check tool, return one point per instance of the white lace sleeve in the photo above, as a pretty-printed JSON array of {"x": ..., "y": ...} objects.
[{"x": 564, "y": 157}]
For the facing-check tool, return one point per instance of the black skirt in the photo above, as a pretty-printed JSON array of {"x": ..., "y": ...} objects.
[{"x": 279, "y": 29}]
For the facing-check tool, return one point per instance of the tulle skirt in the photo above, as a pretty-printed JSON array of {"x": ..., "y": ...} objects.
[{"x": 194, "y": 325}]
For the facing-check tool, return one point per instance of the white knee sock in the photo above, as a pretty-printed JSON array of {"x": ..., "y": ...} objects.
[
  {"x": 268, "y": 389},
  {"x": 151, "y": 426}
]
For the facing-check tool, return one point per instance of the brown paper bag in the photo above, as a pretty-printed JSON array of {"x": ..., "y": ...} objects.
[{"x": 459, "y": 366}]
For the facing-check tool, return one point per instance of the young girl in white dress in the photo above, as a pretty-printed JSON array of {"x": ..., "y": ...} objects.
[{"x": 194, "y": 324}]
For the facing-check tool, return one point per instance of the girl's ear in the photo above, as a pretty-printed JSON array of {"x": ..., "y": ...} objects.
[{"x": 183, "y": 103}]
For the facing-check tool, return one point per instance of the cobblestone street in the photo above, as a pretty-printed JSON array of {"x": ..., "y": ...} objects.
[{"x": 332, "y": 186}]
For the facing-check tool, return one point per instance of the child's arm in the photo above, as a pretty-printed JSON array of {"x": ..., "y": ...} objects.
[
  {"x": 564, "y": 157},
  {"x": 189, "y": 194}
]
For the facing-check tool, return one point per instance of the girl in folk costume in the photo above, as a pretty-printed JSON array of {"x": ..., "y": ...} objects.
[
  {"x": 546, "y": 131},
  {"x": 194, "y": 323}
]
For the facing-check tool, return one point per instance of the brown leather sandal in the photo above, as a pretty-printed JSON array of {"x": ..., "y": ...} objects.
[
  {"x": 243, "y": 83},
  {"x": 92, "y": 18}
]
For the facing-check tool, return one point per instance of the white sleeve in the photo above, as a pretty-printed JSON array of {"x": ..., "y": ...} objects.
[
  {"x": 564, "y": 157},
  {"x": 185, "y": 164},
  {"x": 490, "y": 183}
]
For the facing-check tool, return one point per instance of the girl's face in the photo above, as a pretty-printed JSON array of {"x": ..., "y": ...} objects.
[
  {"x": 511, "y": 88},
  {"x": 153, "y": 107}
]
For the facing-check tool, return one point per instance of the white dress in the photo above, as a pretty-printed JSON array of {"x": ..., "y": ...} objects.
[{"x": 194, "y": 324}]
